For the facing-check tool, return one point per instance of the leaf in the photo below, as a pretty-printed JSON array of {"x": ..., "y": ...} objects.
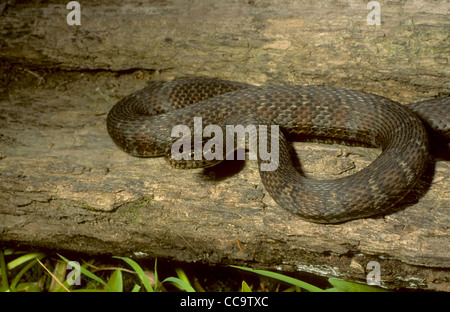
[
  {"x": 116, "y": 281},
  {"x": 182, "y": 275},
  {"x": 293, "y": 289},
  {"x": 353, "y": 287},
  {"x": 283, "y": 278},
  {"x": 156, "y": 275},
  {"x": 3, "y": 272},
  {"x": 245, "y": 287},
  {"x": 180, "y": 284},
  {"x": 23, "y": 259},
  {"x": 139, "y": 272}
]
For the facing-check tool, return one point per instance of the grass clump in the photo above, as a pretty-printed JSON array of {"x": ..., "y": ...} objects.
[{"x": 23, "y": 271}]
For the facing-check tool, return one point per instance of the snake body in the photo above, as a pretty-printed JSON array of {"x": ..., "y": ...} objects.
[{"x": 141, "y": 125}]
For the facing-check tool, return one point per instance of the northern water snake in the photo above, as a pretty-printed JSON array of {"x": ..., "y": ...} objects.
[{"x": 141, "y": 125}]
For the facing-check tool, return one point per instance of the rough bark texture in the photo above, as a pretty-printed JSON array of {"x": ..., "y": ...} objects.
[{"x": 64, "y": 185}]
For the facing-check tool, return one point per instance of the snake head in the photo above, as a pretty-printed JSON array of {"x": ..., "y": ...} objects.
[{"x": 186, "y": 153}]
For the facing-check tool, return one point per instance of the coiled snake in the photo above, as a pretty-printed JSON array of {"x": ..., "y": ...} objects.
[{"x": 141, "y": 125}]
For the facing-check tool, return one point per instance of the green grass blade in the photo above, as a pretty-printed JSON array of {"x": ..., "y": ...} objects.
[
  {"x": 245, "y": 287},
  {"x": 157, "y": 284},
  {"x": 23, "y": 259},
  {"x": 332, "y": 289},
  {"x": 116, "y": 281},
  {"x": 8, "y": 251},
  {"x": 4, "y": 273},
  {"x": 293, "y": 289},
  {"x": 89, "y": 274},
  {"x": 354, "y": 287},
  {"x": 139, "y": 272},
  {"x": 283, "y": 278},
  {"x": 180, "y": 284},
  {"x": 182, "y": 275}
]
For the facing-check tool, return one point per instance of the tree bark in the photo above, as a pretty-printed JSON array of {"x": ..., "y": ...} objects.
[{"x": 65, "y": 185}]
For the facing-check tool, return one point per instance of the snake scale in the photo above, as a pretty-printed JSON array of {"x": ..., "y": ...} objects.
[{"x": 141, "y": 125}]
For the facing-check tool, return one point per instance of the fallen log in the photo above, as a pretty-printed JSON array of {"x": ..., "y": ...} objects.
[{"x": 65, "y": 185}]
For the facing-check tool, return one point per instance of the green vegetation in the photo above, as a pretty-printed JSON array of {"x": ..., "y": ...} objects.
[{"x": 22, "y": 271}]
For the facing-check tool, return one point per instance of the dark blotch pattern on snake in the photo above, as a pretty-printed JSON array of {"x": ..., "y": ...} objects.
[{"x": 141, "y": 125}]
